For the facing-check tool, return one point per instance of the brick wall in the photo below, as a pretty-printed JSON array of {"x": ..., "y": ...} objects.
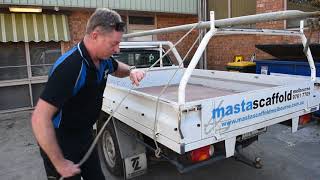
[
  {"x": 168, "y": 20},
  {"x": 271, "y": 6},
  {"x": 221, "y": 50},
  {"x": 78, "y": 19},
  {"x": 265, "y": 6},
  {"x": 77, "y": 25}
]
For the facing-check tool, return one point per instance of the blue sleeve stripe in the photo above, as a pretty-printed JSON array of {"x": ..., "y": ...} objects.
[
  {"x": 57, "y": 120},
  {"x": 61, "y": 59},
  {"x": 111, "y": 69},
  {"x": 81, "y": 79}
]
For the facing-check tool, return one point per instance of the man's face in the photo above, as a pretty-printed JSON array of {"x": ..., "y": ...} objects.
[{"x": 107, "y": 44}]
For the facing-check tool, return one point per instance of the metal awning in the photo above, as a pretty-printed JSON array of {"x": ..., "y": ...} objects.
[{"x": 27, "y": 27}]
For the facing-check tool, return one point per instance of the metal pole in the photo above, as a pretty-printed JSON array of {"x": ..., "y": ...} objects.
[
  {"x": 200, "y": 31},
  {"x": 308, "y": 53},
  {"x": 195, "y": 59},
  {"x": 205, "y": 65},
  {"x": 251, "y": 19},
  {"x": 202, "y": 16}
]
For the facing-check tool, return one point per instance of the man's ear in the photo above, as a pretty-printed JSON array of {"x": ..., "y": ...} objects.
[{"x": 94, "y": 35}]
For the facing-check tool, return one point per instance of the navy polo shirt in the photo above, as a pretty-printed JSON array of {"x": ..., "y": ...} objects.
[{"x": 75, "y": 86}]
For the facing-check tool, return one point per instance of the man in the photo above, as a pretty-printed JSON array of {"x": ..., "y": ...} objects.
[{"x": 71, "y": 101}]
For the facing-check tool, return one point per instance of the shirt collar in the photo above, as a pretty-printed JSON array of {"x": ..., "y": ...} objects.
[{"x": 85, "y": 55}]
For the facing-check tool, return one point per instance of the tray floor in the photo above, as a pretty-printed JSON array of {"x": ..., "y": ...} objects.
[{"x": 193, "y": 92}]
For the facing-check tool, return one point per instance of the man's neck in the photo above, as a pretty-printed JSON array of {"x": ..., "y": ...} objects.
[{"x": 90, "y": 50}]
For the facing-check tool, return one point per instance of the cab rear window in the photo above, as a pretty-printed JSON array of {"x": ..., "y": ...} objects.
[{"x": 141, "y": 58}]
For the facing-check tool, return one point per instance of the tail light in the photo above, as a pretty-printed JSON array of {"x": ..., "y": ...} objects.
[
  {"x": 202, "y": 154},
  {"x": 305, "y": 119}
]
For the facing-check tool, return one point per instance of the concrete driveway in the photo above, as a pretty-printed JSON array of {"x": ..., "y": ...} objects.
[{"x": 285, "y": 156}]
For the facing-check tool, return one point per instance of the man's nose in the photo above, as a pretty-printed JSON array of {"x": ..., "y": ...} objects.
[{"x": 116, "y": 49}]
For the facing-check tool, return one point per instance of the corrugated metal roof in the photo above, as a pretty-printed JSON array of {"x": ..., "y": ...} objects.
[{"x": 169, "y": 6}]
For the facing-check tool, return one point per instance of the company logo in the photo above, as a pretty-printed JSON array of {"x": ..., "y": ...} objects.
[
  {"x": 245, "y": 106},
  {"x": 135, "y": 163}
]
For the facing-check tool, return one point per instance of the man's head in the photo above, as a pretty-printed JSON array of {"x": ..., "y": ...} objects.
[{"x": 104, "y": 30}]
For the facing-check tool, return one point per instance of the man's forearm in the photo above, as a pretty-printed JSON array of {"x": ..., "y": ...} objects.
[
  {"x": 44, "y": 132},
  {"x": 47, "y": 140},
  {"x": 123, "y": 70}
]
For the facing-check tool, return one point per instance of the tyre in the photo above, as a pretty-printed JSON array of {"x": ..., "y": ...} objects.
[{"x": 108, "y": 147}]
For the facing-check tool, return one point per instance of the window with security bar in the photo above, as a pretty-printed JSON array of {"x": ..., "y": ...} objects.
[
  {"x": 138, "y": 23},
  {"x": 232, "y": 8},
  {"x": 42, "y": 56},
  {"x": 13, "y": 64},
  {"x": 23, "y": 72}
]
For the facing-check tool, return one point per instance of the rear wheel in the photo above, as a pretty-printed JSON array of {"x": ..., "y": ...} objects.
[{"x": 108, "y": 146}]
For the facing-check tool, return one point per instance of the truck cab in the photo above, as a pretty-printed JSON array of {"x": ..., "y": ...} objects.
[{"x": 142, "y": 56}]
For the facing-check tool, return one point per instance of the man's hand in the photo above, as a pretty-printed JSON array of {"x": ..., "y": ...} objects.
[
  {"x": 67, "y": 168},
  {"x": 136, "y": 75}
]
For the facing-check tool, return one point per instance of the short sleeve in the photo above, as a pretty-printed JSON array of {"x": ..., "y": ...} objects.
[
  {"x": 114, "y": 64},
  {"x": 61, "y": 82}
]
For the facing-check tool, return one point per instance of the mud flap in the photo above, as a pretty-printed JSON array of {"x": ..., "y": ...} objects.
[
  {"x": 132, "y": 153},
  {"x": 135, "y": 166}
]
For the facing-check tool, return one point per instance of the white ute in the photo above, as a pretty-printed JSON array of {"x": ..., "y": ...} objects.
[{"x": 202, "y": 115}]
